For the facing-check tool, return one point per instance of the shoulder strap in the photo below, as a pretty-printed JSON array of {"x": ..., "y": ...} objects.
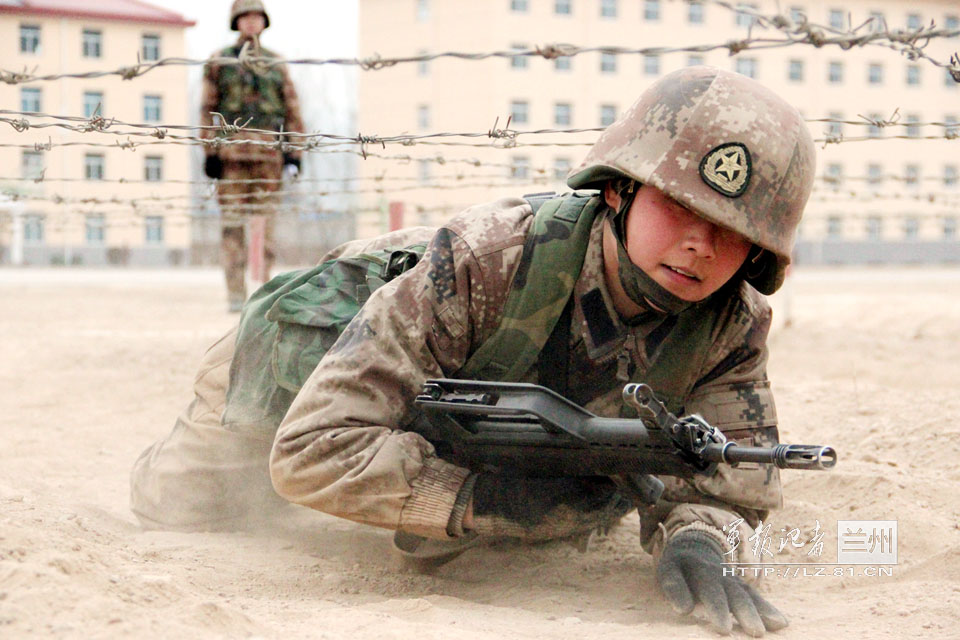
[{"x": 549, "y": 266}]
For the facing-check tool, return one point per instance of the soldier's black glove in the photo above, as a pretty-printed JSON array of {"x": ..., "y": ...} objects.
[
  {"x": 213, "y": 167},
  {"x": 690, "y": 571},
  {"x": 545, "y": 508},
  {"x": 291, "y": 166}
]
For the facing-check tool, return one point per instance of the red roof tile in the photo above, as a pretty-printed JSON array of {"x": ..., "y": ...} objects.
[{"x": 121, "y": 10}]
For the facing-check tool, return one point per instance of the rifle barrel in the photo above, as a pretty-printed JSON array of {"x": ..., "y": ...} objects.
[{"x": 785, "y": 456}]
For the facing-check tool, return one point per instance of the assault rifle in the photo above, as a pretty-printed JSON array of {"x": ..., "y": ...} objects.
[{"x": 527, "y": 429}]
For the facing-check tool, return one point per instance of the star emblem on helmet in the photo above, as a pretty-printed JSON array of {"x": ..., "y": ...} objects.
[{"x": 727, "y": 169}]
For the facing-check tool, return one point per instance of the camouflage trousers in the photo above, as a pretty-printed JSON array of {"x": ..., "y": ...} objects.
[
  {"x": 242, "y": 206},
  {"x": 201, "y": 476}
]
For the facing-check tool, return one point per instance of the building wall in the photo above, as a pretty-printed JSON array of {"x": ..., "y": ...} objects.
[
  {"x": 467, "y": 96},
  {"x": 64, "y": 235}
]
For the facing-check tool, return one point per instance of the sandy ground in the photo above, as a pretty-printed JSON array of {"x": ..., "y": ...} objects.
[{"x": 96, "y": 365}]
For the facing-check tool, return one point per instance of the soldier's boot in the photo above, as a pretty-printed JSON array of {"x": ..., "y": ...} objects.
[{"x": 423, "y": 555}]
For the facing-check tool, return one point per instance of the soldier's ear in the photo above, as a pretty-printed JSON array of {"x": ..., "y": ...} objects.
[{"x": 611, "y": 195}]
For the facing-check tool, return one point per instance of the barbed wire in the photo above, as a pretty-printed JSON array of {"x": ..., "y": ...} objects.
[{"x": 908, "y": 42}]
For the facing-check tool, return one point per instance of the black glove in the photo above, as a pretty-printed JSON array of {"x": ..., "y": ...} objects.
[
  {"x": 690, "y": 571},
  {"x": 213, "y": 167},
  {"x": 545, "y": 508}
]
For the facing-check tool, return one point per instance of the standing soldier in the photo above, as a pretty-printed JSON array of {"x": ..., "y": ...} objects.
[{"x": 248, "y": 174}]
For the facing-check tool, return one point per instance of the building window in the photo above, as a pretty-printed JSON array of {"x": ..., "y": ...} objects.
[
  {"x": 519, "y": 112},
  {"x": 29, "y": 38},
  {"x": 949, "y": 228},
  {"x": 913, "y": 125},
  {"x": 608, "y": 63},
  {"x": 562, "y": 63},
  {"x": 950, "y": 176},
  {"x": 913, "y": 75},
  {"x": 951, "y": 23},
  {"x": 423, "y": 116},
  {"x": 695, "y": 13},
  {"x": 834, "y": 127},
  {"x": 562, "y": 7},
  {"x": 30, "y": 99},
  {"x": 93, "y": 166},
  {"x": 518, "y": 62},
  {"x": 835, "y": 72},
  {"x": 911, "y": 227},
  {"x": 913, "y": 21},
  {"x": 746, "y": 67},
  {"x": 797, "y": 15},
  {"x": 835, "y": 175},
  {"x": 153, "y": 168},
  {"x": 875, "y": 73},
  {"x": 150, "y": 47},
  {"x": 694, "y": 60},
  {"x": 911, "y": 175},
  {"x": 152, "y": 108},
  {"x": 838, "y": 19},
  {"x": 153, "y": 229},
  {"x": 608, "y": 8},
  {"x": 795, "y": 71},
  {"x": 423, "y": 66},
  {"x": 834, "y": 226},
  {"x": 519, "y": 6},
  {"x": 423, "y": 10},
  {"x": 562, "y": 114},
  {"x": 951, "y": 129},
  {"x": 651, "y": 10},
  {"x": 33, "y": 229},
  {"x": 877, "y": 22},
  {"x": 31, "y": 164},
  {"x": 608, "y": 114},
  {"x": 520, "y": 167},
  {"x": 561, "y": 167},
  {"x": 423, "y": 171},
  {"x": 92, "y": 41},
  {"x": 95, "y": 228},
  {"x": 92, "y": 103},
  {"x": 874, "y": 174},
  {"x": 873, "y": 130},
  {"x": 651, "y": 64},
  {"x": 874, "y": 227},
  {"x": 948, "y": 80},
  {"x": 744, "y": 16}
]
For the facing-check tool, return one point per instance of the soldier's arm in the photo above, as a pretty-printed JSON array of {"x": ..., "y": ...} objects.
[
  {"x": 209, "y": 100},
  {"x": 293, "y": 121},
  {"x": 340, "y": 449},
  {"x": 733, "y": 395}
]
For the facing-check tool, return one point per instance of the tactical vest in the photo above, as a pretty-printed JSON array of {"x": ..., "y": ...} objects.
[
  {"x": 245, "y": 95},
  {"x": 289, "y": 324}
]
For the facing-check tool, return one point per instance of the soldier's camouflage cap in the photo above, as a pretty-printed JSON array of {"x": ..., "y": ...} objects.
[
  {"x": 725, "y": 147},
  {"x": 241, "y": 7}
]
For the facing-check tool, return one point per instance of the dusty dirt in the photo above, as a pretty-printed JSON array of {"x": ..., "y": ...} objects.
[{"x": 96, "y": 365}]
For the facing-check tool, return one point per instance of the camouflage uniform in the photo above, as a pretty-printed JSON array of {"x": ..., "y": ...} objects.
[
  {"x": 268, "y": 100},
  {"x": 343, "y": 447}
]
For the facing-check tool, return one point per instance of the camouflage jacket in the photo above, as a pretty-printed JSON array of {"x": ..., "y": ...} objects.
[
  {"x": 342, "y": 447},
  {"x": 266, "y": 98}
]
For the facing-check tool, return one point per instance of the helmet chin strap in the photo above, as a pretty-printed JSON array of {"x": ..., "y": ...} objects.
[{"x": 639, "y": 287}]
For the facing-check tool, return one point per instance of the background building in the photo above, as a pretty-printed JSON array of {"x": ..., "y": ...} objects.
[
  {"x": 880, "y": 199},
  {"x": 82, "y": 198}
]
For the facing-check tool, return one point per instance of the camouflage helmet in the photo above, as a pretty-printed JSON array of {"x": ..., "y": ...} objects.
[
  {"x": 241, "y": 7},
  {"x": 725, "y": 147}
]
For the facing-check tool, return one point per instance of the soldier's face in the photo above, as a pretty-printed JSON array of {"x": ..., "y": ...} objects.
[
  {"x": 251, "y": 24},
  {"x": 687, "y": 255}
]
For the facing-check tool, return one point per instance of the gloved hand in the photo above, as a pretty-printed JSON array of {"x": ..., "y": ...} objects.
[
  {"x": 291, "y": 167},
  {"x": 213, "y": 167},
  {"x": 536, "y": 509},
  {"x": 690, "y": 571}
]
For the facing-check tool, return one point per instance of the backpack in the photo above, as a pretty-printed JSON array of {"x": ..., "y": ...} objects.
[{"x": 289, "y": 324}]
